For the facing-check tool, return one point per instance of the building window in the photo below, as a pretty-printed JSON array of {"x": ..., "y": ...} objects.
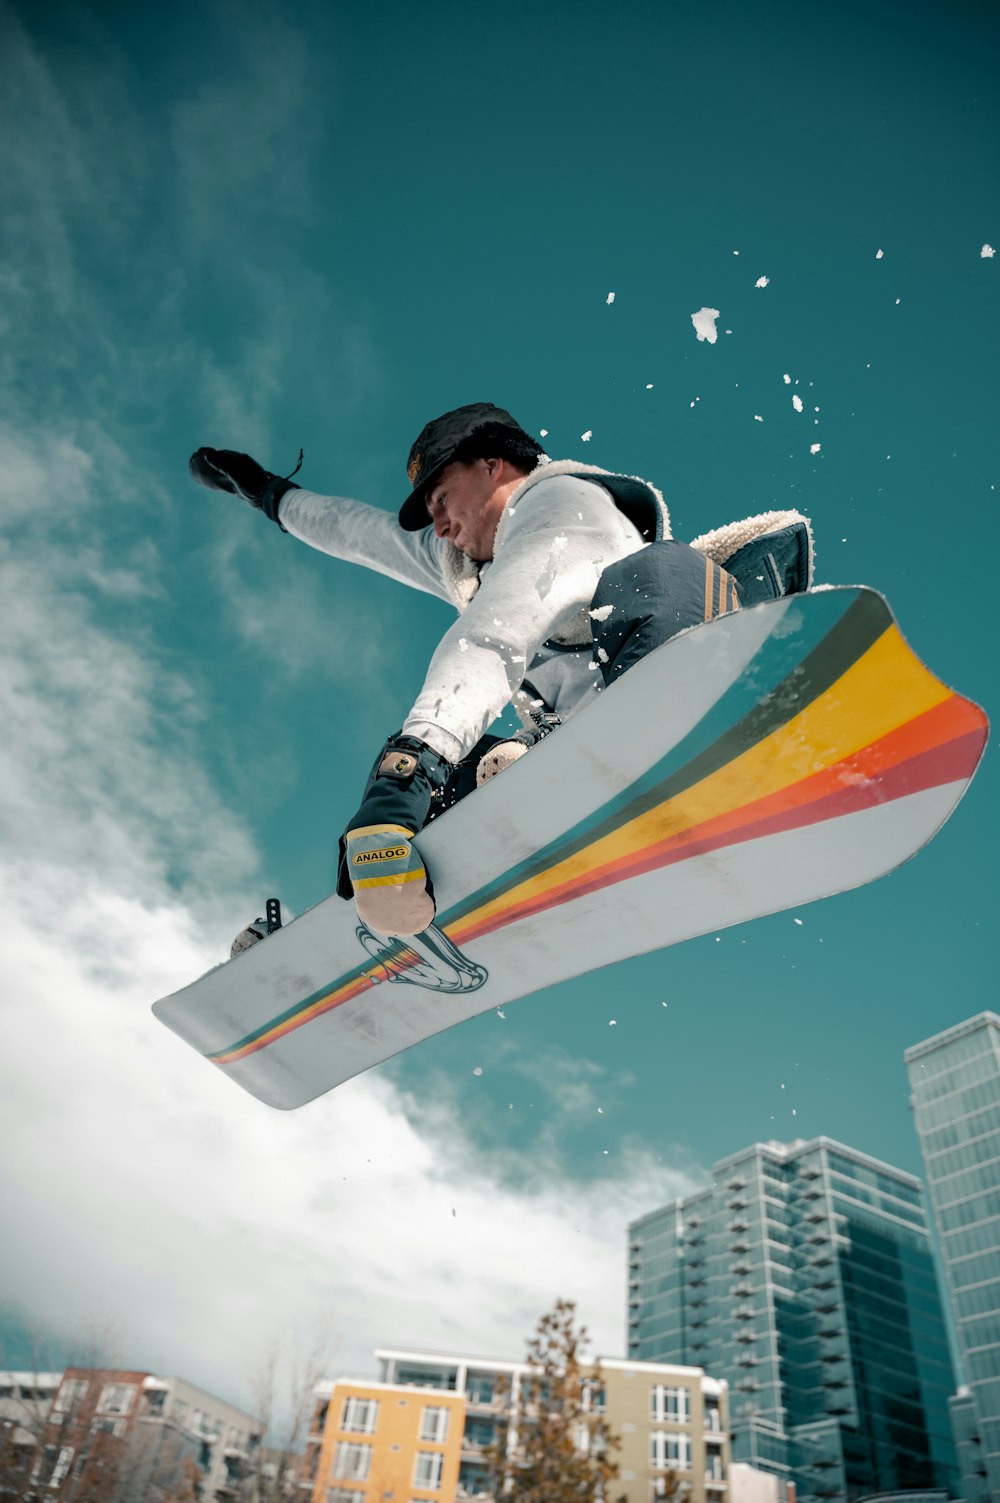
[
  {"x": 63, "y": 1463},
  {"x": 434, "y": 1425},
  {"x": 344, "y": 1495},
  {"x": 667, "y": 1450},
  {"x": 669, "y": 1404},
  {"x": 713, "y": 1464},
  {"x": 360, "y": 1415},
  {"x": 116, "y": 1398},
  {"x": 427, "y": 1472},
  {"x": 72, "y": 1392},
  {"x": 351, "y": 1461},
  {"x": 479, "y": 1388},
  {"x": 593, "y": 1395},
  {"x": 108, "y": 1426}
]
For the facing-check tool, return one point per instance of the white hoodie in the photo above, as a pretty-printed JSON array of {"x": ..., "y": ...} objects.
[{"x": 524, "y": 613}]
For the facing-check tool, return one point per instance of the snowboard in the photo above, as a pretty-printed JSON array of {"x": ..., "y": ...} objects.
[{"x": 765, "y": 759}]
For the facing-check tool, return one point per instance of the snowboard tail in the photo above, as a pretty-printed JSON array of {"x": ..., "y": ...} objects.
[{"x": 763, "y": 760}]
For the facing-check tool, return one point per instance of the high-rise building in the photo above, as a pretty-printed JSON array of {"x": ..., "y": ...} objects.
[
  {"x": 668, "y": 1419},
  {"x": 955, "y": 1093},
  {"x": 804, "y": 1276}
]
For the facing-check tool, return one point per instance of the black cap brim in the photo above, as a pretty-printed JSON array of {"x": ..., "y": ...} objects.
[{"x": 413, "y": 514}]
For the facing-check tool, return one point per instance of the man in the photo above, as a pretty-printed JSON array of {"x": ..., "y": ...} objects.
[{"x": 558, "y": 589}]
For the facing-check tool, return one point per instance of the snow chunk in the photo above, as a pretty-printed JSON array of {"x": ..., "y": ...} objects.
[
  {"x": 879, "y": 254},
  {"x": 649, "y": 386},
  {"x": 544, "y": 582},
  {"x": 543, "y": 433},
  {"x": 761, "y": 281},
  {"x": 463, "y": 644},
  {"x": 757, "y": 418},
  {"x": 797, "y": 403},
  {"x": 787, "y": 379},
  {"x": 704, "y": 324},
  {"x": 601, "y": 612},
  {"x": 987, "y": 253},
  {"x": 586, "y": 437},
  {"x": 478, "y": 1070},
  {"x": 611, "y": 297},
  {"x": 814, "y": 448}
]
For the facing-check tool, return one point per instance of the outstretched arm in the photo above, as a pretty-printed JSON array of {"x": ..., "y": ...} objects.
[
  {"x": 362, "y": 534},
  {"x": 345, "y": 529}
]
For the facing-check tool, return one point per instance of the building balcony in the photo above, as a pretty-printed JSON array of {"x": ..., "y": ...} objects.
[
  {"x": 737, "y": 1182},
  {"x": 742, "y": 1246},
  {"x": 740, "y": 1224}
]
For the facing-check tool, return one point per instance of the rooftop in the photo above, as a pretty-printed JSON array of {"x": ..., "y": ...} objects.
[{"x": 950, "y": 1035}]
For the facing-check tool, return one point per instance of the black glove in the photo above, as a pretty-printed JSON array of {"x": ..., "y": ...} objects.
[
  {"x": 378, "y": 861},
  {"x": 225, "y": 470}
]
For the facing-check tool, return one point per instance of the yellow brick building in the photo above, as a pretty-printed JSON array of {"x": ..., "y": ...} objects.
[{"x": 383, "y": 1443}]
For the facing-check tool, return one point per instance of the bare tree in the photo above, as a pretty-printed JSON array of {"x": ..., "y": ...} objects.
[{"x": 284, "y": 1399}]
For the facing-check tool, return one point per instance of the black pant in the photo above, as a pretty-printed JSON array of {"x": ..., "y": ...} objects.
[{"x": 653, "y": 595}]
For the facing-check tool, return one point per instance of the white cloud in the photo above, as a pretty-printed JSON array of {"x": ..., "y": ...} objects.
[
  {"x": 138, "y": 1184},
  {"x": 144, "y": 1186}
]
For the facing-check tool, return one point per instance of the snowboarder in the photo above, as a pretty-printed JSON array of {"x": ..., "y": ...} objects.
[{"x": 564, "y": 575}]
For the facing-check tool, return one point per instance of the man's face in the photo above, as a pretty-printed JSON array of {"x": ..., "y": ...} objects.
[{"x": 465, "y": 504}]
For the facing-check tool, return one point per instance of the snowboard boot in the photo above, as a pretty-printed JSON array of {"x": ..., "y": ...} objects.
[
  {"x": 258, "y": 930},
  {"x": 503, "y": 753}
]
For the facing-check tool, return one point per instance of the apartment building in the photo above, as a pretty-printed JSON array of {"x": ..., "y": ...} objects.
[
  {"x": 373, "y": 1440},
  {"x": 955, "y": 1096},
  {"x": 137, "y": 1431},
  {"x": 667, "y": 1418},
  {"x": 804, "y": 1276},
  {"x": 25, "y": 1401}
]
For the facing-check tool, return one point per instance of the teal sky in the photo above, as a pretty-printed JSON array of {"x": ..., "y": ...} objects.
[{"x": 315, "y": 227}]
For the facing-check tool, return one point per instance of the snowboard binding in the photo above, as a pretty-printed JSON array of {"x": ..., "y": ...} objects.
[{"x": 258, "y": 930}]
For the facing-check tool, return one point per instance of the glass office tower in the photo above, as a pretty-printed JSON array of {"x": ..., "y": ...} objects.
[
  {"x": 804, "y": 1276},
  {"x": 955, "y": 1093}
]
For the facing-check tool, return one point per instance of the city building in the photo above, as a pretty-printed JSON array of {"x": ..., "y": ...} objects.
[
  {"x": 804, "y": 1277},
  {"x": 955, "y": 1094},
  {"x": 372, "y": 1440},
  {"x": 25, "y": 1401},
  {"x": 142, "y": 1431},
  {"x": 667, "y": 1418}
]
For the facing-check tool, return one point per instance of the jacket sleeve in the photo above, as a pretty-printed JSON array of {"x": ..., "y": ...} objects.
[
  {"x": 362, "y": 534},
  {"x": 558, "y": 540}
]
